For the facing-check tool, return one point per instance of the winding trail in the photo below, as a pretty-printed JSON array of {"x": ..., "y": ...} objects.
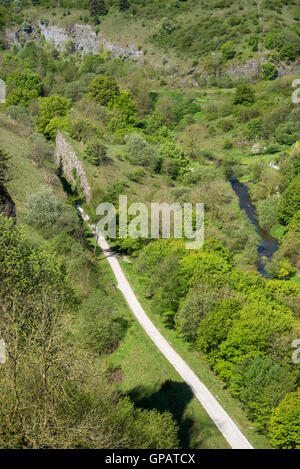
[{"x": 216, "y": 412}]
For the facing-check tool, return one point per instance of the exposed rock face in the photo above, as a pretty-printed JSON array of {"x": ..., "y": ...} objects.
[
  {"x": 252, "y": 68},
  {"x": 69, "y": 163},
  {"x": 84, "y": 39},
  {"x": 7, "y": 206}
]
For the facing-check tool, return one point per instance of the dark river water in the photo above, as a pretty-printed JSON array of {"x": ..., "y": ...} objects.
[{"x": 268, "y": 244}]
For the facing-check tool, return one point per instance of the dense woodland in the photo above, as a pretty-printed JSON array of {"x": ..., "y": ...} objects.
[{"x": 139, "y": 133}]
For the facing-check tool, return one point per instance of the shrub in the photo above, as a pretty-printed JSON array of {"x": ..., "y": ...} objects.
[
  {"x": 140, "y": 151},
  {"x": 253, "y": 43},
  {"x": 43, "y": 210},
  {"x": 228, "y": 50},
  {"x": 95, "y": 152},
  {"x": 41, "y": 150},
  {"x": 269, "y": 70},
  {"x": 244, "y": 94},
  {"x": 287, "y": 52}
]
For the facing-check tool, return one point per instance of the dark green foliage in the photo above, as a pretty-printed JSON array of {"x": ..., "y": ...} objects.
[
  {"x": 4, "y": 158},
  {"x": 124, "y": 5},
  {"x": 228, "y": 50},
  {"x": 260, "y": 384},
  {"x": 244, "y": 94},
  {"x": 289, "y": 202},
  {"x": 98, "y": 8},
  {"x": 270, "y": 72}
]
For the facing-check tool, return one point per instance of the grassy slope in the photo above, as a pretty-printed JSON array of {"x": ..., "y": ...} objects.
[{"x": 144, "y": 369}]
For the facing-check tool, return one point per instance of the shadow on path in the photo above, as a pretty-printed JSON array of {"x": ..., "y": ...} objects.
[{"x": 173, "y": 397}]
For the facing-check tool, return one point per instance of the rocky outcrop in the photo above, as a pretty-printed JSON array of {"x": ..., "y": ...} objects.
[
  {"x": 252, "y": 68},
  {"x": 70, "y": 165},
  {"x": 7, "y": 206},
  {"x": 83, "y": 37}
]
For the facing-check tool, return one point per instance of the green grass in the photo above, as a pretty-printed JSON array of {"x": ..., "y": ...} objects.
[
  {"x": 26, "y": 177},
  {"x": 198, "y": 364},
  {"x": 145, "y": 373}
]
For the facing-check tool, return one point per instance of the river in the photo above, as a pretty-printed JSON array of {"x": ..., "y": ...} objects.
[{"x": 268, "y": 245}]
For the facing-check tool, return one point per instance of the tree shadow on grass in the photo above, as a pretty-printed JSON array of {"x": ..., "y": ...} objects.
[{"x": 173, "y": 397}]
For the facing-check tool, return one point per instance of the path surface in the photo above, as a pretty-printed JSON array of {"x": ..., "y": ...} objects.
[{"x": 222, "y": 420}]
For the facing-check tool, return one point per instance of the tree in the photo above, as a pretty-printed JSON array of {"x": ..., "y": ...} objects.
[
  {"x": 287, "y": 52},
  {"x": 43, "y": 210},
  {"x": 270, "y": 72},
  {"x": 124, "y": 5},
  {"x": 285, "y": 423},
  {"x": 267, "y": 210},
  {"x": 125, "y": 104},
  {"x": 23, "y": 86},
  {"x": 52, "y": 108},
  {"x": 244, "y": 94},
  {"x": 260, "y": 384},
  {"x": 98, "y": 7},
  {"x": 41, "y": 151},
  {"x": 140, "y": 150},
  {"x": 104, "y": 89},
  {"x": 4, "y": 158},
  {"x": 289, "y": 202},
  {"x": 228, "y": 50},
  {"x": 95, "y": 152}
]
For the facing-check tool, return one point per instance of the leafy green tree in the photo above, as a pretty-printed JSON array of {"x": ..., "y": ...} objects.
[
  {"x": 270, "y": 72},
  {"x": 95, "y": 152},
  {"x": 287, "y": 52},
  {"x": 4, "y": 158},
  {"x": 125, "y": 104},
  {"x": 23, "y": 86},
  {"x": 98, "y": 8},
  {"x": 124, "y": 5},
  {"x": 140, "y": 150},
  {"x": 51, "y": 112},
  {"x": 260, "y": 384},
  {"x": 267, "y": 210},
  {"x": 285, "y": 423},
  {"x": 244, "y": 94},
  {"x": 43, "y": 209},
  {"x": 228, "y": 50},
  {"x": 289, "y": 202},
  {"x": 253, "y": 43},
  {"x": 104, "y": 89}
]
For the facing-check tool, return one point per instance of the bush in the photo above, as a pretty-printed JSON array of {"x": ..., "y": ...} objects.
[
  {"x": 269, "y": 70},
  {"x": 41, "y": 151},
  {"x": 228, "y": 50},
  {"x": 268, "y": 212},
  {"x": 140, "y": 151},
  {"x": 244, "y": 94},
  {"x": 43, "y": 210},
  {"x": 95, "y": 152}
]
